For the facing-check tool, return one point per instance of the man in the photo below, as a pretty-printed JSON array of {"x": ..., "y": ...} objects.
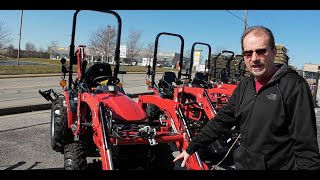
[
  {"x": 313, "y": 93},
  {"x": 274, "y": 110}
]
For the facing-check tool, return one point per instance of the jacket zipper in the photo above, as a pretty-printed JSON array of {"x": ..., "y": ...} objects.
[{"x": 250, "y": 115}]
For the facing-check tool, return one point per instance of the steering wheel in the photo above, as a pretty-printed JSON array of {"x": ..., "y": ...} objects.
[
  {"x": 111, "y": 79},
  {"x": 184, "y": 81},
  {"x": 200, "y": 83},
  {"x": 168, "y": 84}
]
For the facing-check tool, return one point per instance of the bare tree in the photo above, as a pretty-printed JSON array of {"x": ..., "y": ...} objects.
[
  {"x": 219, "y": 49},
  {"x": 11, "y": 46},
  {"x": 52, "y": 47},
  {"x": 149, "y": 52},
  {"x": 30, "y": 47},
  {"x": 40, "y": 49},
  {"x": 103, "y": 42},
  {"x": 134, "y": 46},
  {"x": 4, "y": 36},
  {"x": 187, "y": 53}
]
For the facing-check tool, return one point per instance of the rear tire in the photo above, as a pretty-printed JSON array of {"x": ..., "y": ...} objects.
[{"x": 60, "y": 133}]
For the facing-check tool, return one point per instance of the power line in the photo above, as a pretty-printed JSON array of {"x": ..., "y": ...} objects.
[
  {"x": 238, "y": 17},
  {"x": 256, "y": 16}
]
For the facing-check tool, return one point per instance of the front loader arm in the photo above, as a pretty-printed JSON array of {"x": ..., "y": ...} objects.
[{"x": 173, "y": 111}]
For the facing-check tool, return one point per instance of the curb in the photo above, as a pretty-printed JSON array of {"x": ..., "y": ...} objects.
[
  {"x": 27, "y": 75},
  {"x": 45, "y": 75},
  {"x": 46, "y": 106},
  {"x": 24, "y": 109}
]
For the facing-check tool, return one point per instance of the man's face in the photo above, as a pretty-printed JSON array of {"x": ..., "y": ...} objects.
[{"x": 258, "y": 55}]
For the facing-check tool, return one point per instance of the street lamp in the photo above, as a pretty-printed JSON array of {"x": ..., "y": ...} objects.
[
  {"x": 245, "y": 19},
  {"x": 316, "y": 88},
  {"x": 109, "y": 39},
  {"x": 21, "y": 16}
]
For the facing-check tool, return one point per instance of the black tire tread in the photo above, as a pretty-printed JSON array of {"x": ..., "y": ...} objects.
[
  {"x": 75, "y": 156},
  {"x": 62, "y": 134}
]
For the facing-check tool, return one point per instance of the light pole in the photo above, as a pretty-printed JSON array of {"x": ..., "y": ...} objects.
[
  {"x": 316, "y": 88},
  {"x": 109, "y": 38},
  {"x": 245, "y": 19},
  {"x": 21, "y": 16}
]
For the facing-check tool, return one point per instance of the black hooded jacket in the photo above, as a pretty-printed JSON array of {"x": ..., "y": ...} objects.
[{"x": 277, "y": 124}]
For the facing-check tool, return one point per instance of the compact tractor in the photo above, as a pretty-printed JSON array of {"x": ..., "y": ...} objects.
[
  {"x": 192, "y": 103},
  {"x": 95, "y": 124},
  {"x": 220, "y": 88}
]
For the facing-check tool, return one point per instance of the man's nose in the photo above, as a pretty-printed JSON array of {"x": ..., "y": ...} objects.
[{"x": 254, "y": 56}]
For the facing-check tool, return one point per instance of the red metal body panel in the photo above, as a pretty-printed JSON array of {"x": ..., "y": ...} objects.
[
  {"x": 198, "y": 93},
  {"x": 81, "y": 56},
  {"x": 166, "y": 105},
  {"x": 222, "y": 89},
  {"x": 70, "y": 114},
  {"x": 122, "y": 107}
]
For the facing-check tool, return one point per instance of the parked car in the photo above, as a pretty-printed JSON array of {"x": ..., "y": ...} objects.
[{"x": 159, "y": 65}]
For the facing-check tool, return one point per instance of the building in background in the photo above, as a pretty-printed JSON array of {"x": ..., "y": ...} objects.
[
  {"x": 310, "y": 72},
  {"x": 165, "y": 59},
  {"x": 282, "y": 55},
  {"x": 196, "y": 59},
  {"x": 61, "y": 52}
]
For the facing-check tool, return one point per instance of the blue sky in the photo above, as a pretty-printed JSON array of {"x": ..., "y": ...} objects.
[{"x": 298, "y": 30}]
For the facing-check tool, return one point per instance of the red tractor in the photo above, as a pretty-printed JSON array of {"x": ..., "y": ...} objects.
[
  {"x": 216, "y": 96},
  {"x": 220, "y": 87},
  {"x": 190, "y": 101},
  {"x": 95, "y": 124}
]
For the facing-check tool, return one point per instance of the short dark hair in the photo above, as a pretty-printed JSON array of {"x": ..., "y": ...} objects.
[{"x": 259, "y": 28}]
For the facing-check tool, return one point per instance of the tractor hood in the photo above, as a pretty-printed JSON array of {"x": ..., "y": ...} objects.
[{"x": 123, "y": 107}]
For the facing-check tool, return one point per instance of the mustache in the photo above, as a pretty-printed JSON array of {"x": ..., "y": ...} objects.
[{"x": 256, "y": 63}]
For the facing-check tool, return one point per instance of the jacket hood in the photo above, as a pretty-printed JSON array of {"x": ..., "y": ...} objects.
[{"x": 283, "y": 69}]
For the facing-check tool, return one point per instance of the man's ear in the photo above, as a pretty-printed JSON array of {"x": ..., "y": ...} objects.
[{"x": 274, "y": 50}]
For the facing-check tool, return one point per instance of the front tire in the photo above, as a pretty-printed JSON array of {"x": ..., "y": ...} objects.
[
  {"x": 60, "y": 133},
  {"x": 75, "y": 156}
]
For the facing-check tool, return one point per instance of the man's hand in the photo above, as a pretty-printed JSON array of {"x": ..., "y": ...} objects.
[{"x": 185, "y": 157}]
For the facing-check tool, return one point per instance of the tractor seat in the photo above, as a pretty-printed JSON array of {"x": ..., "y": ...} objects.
[
  {"x": 96, "y": 70},
  {"x": 169, "y": 78},
  {"x": 223, "y": 76},
  {"x": 199, "y": 78}
]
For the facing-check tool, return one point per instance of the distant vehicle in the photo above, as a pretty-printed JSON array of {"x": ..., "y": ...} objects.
[{"x": 159, "y": 65}]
